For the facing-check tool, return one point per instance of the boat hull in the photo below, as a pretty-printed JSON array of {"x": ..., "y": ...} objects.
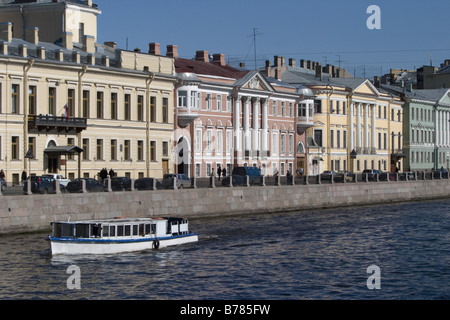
[{"x": 65, "y": 246}]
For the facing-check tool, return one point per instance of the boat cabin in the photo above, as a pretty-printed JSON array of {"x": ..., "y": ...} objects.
[{"x": 120, "y": 228}]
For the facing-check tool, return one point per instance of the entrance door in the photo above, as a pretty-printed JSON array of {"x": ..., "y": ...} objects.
[
  {"x": 53, "y": 164},
  {"x": 165, "y": 166}
]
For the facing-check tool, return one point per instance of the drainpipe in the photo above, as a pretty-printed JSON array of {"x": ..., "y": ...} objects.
[
  {"x": 349, "y": 136},
  {"x": 329, "y": 94},
  {"x": 148, "y": 82},
  {"x": 26, "y": 69},
  {"x": 80, "y": 111}
]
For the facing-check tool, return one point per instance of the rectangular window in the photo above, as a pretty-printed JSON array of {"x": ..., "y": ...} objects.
[
  {"x": 152, "y": 150},
  {"x": 182, "y": 99},
  {"x": 291, "y": 144},
  {"x": 52, "y": 101},
  {"x": 275, "y": 143},
  {"x": 208, "y": 141},
  {"x": 344, "y": 139},
  {"x": 140, "y": 108},
  {"x": 219, "y": 102},
  {"x": 15, "y": 100},
  {"x": 32, "y": 100},
  {"x": 229, "y": 142},
  {"x": 140, "y": 150},
  {"x": 198, "y": 140},
  {"x": 165, "y": 149},
  {"x": 99, "y": 149},
  {"x": 71, "y": 102},
  {"x": 283, "y": 109},
  {"x": 32, "y": 145},
  {"x": 317, "y": 106},
  {"x": 198, "y": 170},
  {"x": 332, "y": 138},
  {"x": 127, "y": 107},
  {"x": 219, "y": 141},
  {"x": 85, "y": 149},
  {"x": 291, "y": 109},
  {"x": 274, "y": 108},
  {"x": 318, "y": 137},
  {"x": 114, "y": 106},
  {"x": 70, "y": 142},
  {"x": 338, "y": 138},
  {"x": 85, "y": 104},
  {"x": 113, "y": 149},
  {"x": 228, "y": 103},
  {"x": 99, "y": 105},
  {"x": 283, "y": 143},
  {"x": 208, "y": 101},
  {"x": 165, "y": 110},
  {"x": 152, "y": 109},
  {"x": 126, "y": 150}
]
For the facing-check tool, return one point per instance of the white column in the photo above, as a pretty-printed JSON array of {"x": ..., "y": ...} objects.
[
  {"x": 255, "y": 133},
  {"x": 247, "y": 142},
  {"x": 265, "y": 125},
  {"x": 237, "y": 124},
  {"x": 374, "y": 129},
  {"x": 366, "y": 127},
  {"x": 358, "y": 126},
  {"x": 352, "y": 131}
]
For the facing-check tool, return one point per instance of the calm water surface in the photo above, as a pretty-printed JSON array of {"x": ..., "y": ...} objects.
[{"x": 321, "y": 254}]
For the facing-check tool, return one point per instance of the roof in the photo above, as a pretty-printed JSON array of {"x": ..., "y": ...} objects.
[
  {"x": 183, "y": 65},
  {"x": 63, "y": 149},
  {"x": 430, "y": 95}
]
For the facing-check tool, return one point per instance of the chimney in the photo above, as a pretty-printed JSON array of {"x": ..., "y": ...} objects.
[
  {"x": 59, "y": 55},
  {"x": 219, "y": 58},
  {"x": 67, "y": 40},
  {"x": 303, "y": 64},
  {"x": 154, "y": 49},
  {"x": 268, "y": 68},
  {"x": 202, "y": 55},
  {"x": 242, "y": 65},
  {"x": 111, "y": 44},
  {"x": 318, "y": 71},
  {"x": 6, "y": 31},
  {"x": 32, "y": 35},
  {"x": 88, "y": 3},
  {"x": 23, "y": 51},
  {"x": 376, "y": 81},
  {"x": 278, "y": 73},
  {"x": 277, "y": 61},
  {"x": 172, "y": 51},
  {"x": 40, "y": 53},
  {"x": 89, "y": 44},
  {"x": 292, "y": 62}
]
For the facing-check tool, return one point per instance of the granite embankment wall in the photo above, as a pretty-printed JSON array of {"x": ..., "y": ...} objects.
[{"x": 35, "y": 212}]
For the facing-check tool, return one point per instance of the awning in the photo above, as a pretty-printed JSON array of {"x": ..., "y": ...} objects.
[
  {"x": 64, "y": 150},
  {"x": 317, "y": 159}
]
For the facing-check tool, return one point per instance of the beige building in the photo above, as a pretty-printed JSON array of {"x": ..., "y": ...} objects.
[{"x": 76, "y": 108}]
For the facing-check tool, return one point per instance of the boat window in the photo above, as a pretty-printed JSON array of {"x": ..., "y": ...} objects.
[
  {"x": 147, "y": 229},
  {"x": 112, "y": 231},
  {"x": 67, "y": 230},
  {"x": 135, "y": 229},
  {"x": 106, "y": 230},
  {"x": 120, "y": 231},
  {"x": 127, "y": 230},
  {"x": 96, "y": 230},
  {"x": 82, "y": 230}
]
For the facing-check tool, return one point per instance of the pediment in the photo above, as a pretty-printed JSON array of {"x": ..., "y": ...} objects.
[
  {"x": 367, "y": 88},
  {"x": 255, "y": 81}
]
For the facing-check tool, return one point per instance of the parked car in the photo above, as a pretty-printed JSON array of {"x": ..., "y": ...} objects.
[
  {"x": 62, "y": 181},
  {"x": 183, "y": 180},
  {"x": 239, "y": 173},
  {"x": 347, "y": 175},
  {"x": 120, "y": 183},
  {"x": 326, "y": 175},
  {"x": 147, "y": 184},
  {"x": 92, "y": 185},
  {"x": 3, "y": 184},
  {"x": 371, "y": 174},
  {"x": 40, "y": 184}
]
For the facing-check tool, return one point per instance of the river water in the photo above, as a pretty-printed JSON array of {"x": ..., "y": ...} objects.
[{"x": 320, "y": 254}]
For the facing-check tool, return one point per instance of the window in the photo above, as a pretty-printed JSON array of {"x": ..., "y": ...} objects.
[
  {"x": 228, "y": 103},
  {"x": 182, "y": 99},
  {"x": 114, "y": 106},
  {"x": 302, "y": 109},
  {"x": 198, "y": 140},
  {"x": 140, "y": 150},
  {"x": 208, "y": 141},
  {"x": 52, "y": 101},
  {"x": 152, "y": 109},
  {"x": 274, "y": 108},
  {"x": 85, "y": 104},
  {"x": 71, "y": 102},
  {"x": 32, "y": 100},
  {"x": 198, "y": 170},
  {"x": 152, "y": 150},
  {"x": 140, "y": 108},
  {"x": 318, "y": 137},
  {"x": 85, "y": 149},
  {"x": 219, "y": 141},
  {"x": 15, "y": 98},
  {"x": 317, "y": 106},
  {"x": 291, "y": 144},
  {"x": 283, "y": 143},
  {"x": 99, "y": 105},
  {"x": 165, "y": 149},
  {"x": 126, "y": 150},
  {"x": 283, "y": 108},
  {"x": 113, "y": 149},
  {"x": 344, "y": 139},
  {"x": 165, "y": 110},
  {"x": 332, "y": 138},
  {"x": 229, "y": 142},
  {"x": 32, "y": 145},
  {"x": 194, "y": 98},
  {"x": 208, "y": 101},
  {"x": 219, "y": 102},
  {"x": 99, "y": 149},
  {"x": 127, "y": 107},
  {"x": 291, "y": 109},
  {"x": 70, "y": 142},
  {"x": 338, "y": 138},
  {"x": 275, "y": 143}
]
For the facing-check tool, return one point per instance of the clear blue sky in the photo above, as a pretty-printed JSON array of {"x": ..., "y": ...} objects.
[{"x": 412, "y": 31}]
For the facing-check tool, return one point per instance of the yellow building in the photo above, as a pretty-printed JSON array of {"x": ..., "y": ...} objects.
[
  {"x": 75, "y": 108},
  {"x": 350, "y": 115}
]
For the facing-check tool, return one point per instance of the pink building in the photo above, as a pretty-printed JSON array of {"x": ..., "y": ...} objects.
[{"x": 228, "y": 117}]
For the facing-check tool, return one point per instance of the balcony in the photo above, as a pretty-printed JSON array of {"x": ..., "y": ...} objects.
[
  {"x": 304, "y": 123},
  {"x": 398, "y": 153},
  {"x": 45, "y": 122},
  {"x": 186, "y": 116}
]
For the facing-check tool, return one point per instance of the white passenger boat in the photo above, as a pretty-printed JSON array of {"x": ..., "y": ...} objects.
[{"x": 118, "y": 235}]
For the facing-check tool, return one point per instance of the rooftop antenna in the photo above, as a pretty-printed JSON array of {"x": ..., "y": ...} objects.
[{"x": 255, "y": 33}]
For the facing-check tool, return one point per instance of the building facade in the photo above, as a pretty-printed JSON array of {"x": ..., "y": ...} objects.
[
  {"x": 350, "y": 115},
  {"x": 229, "y": 117},
  {"x": 76, "y": 108}
]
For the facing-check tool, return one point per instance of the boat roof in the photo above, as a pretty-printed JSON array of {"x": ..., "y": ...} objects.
[{"x": 115, "y": 220}]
